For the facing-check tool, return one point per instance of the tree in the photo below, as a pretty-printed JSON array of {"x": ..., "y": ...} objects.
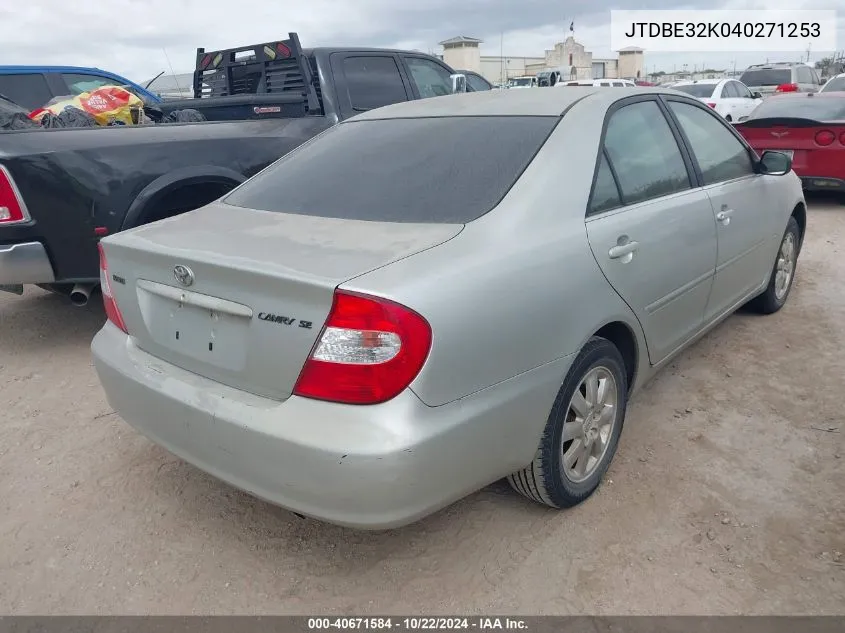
[{"x": 823, "y": 63}]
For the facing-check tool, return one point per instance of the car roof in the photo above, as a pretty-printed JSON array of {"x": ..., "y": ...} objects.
[
  {"x": 691, "y": 82},
  {"x": 539, "y": 102}
]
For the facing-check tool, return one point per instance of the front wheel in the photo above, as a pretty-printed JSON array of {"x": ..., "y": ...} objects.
[
  {"x": 774, "y": 296},
  {"x": 582, "y": 430}
]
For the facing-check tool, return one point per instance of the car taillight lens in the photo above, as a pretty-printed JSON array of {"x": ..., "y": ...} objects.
[
  {"x": 112, "y": 311},
  {"x": 12, "y": 208},
  {"x": 825, "y": 137},
  {"x": 370, "y": 350},
  {"x": 711, "y": 105},
  {"x": 787, "y": 88},
  {"x": 842, "y": 138}
]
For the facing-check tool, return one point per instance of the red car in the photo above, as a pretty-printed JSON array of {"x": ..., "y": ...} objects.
[{"x": 810, "y": 127}]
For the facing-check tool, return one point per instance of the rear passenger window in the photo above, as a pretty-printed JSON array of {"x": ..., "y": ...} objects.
[
  {"x": 605, "y": 193},
  {"x": 373, "y": 82},
  {"x": 644, "y": 153},
  {"x": 29, "y": 91}
]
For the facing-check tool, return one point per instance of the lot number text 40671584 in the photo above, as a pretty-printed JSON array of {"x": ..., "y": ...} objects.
[{"x": 418, "y": 623}]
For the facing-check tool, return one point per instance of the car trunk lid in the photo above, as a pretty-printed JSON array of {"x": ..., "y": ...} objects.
[
  {"x": 802, "y": 139},
  {"x": 240, "y": 296}
]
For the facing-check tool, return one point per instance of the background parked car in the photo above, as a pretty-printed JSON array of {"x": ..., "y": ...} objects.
[
  {"x": 835, "y": 84},
  {"x": 768, "y": 79},
  {"x": 600, "y": 83},
  {"x": 33, "y": 86},
  {"x": 475, "y": 82},
  {"x": 810, "y": 128},
  {"x": 730, "y": 98}
]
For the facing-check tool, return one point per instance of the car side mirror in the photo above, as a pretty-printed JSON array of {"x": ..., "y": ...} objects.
[
  {"x": 775, "y": 163},
  {"x": 459, "y": 82},
  {"x": 756, "y": 95}
]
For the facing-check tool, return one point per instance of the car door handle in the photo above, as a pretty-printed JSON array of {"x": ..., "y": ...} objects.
[
  {"x": 724, "y": 216},
  {"x": 618, "y": 252}
]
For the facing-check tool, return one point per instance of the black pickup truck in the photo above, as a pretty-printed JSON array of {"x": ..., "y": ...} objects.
[{"x": 61, "y": 190}]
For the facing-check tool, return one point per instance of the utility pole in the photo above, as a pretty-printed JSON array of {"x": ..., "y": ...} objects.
[{"x": 502, "y": 58}]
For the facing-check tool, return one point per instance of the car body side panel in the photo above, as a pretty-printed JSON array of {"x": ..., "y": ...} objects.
[{"x": 503, "y": 297}]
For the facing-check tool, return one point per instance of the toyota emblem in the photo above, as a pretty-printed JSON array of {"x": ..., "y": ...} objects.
[{"x": 183, "y": 275}]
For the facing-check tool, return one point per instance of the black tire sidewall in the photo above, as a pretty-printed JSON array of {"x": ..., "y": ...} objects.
[{"x": 598, "y": 352}]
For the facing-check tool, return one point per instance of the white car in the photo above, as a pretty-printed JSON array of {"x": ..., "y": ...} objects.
[
  {"x": 605, "y": 83},
  {"x": 835, "y": 84},
  {"x": 729, "y": 97}
]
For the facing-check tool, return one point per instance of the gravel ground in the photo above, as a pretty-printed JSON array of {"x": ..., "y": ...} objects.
[{"x": 726, "y": 495}]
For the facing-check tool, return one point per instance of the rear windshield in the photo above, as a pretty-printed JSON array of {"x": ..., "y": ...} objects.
[
  {"x": 701, "y": 91},
  {"x": 431, "y": 170},
  {"x": 835, "y": 85},
  {"x": 767, "y": 77},
  {"x": 813, "y": 108}
]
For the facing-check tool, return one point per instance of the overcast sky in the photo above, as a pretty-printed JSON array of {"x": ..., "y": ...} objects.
[{"x": 135, "y": 38}]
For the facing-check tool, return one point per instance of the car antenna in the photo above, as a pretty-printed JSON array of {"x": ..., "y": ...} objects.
[
  {"x": 154, "y": 78},
  {"x": 176, "y": 81}
]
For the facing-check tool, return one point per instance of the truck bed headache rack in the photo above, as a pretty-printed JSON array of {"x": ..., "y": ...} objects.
[{"x": 273, "y": 68}]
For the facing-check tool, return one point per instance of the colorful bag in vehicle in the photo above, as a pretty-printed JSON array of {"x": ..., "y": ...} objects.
[{"x": 109, "y": 105}]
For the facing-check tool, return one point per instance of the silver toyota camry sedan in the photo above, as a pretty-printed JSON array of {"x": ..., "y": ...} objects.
[{"x": 438, "y": 294}]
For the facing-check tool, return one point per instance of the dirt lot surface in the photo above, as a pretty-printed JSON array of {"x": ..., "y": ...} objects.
[{"x": 726, "y": 495}]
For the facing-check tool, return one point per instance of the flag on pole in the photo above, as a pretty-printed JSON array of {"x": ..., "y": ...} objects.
[{"x": 572, "y": 27}]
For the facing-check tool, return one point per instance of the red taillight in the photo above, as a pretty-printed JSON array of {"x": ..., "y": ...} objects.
[
  {"x": 112, "y": 311},
  {"x": 842, "y": 138},
  {"x": 711, "y": 105},
  {"x": 12, "y": 208},
  {"x": 825, "y": 137},
  {"x": 370, "y": 350},
  {"x": 787, "y": 88}
]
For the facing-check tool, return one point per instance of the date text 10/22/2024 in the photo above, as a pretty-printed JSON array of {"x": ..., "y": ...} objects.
[{"x": 418, "y": 623}]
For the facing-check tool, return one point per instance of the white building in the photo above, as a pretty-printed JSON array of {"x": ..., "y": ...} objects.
[{"x": 463, "y": 53}]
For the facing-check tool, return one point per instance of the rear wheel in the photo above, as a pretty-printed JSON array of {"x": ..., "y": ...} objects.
[
  {"x": 776, "y": 293},
  {"x": 582, "y": 431}
]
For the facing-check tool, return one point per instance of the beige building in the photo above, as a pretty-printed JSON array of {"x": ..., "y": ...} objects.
[{"x": 570, "y": 56}]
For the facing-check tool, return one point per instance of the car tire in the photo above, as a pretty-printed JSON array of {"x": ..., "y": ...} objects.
[
  {"x": 774, "y": 297},
  {"x": 552, "y": 478}
]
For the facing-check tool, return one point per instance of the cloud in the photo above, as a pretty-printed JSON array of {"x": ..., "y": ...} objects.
[{"x": 136, "y": 38}]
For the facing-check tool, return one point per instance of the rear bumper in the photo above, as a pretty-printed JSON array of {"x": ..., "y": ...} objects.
[
  {"x": 370, "y": 467},
  {"x": 810, "y": 183},
  {"x": 26, "y": 263}
]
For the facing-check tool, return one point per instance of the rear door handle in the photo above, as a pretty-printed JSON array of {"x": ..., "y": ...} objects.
[
  {"x": 618, "y": 252},
  {"x": 724, "y": 216}
]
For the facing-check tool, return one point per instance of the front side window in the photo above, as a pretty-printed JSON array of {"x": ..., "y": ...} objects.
[
  {"x": 644, "y": 153},
  {"x": 79, "y": 83},
  {"x": 373, "y": 82},
  {"x": 431, "y": 79},
  {"x": 742, "y": 91},
  {"x": 720, "y": 155},
  {"x": 427, "y": 170}
]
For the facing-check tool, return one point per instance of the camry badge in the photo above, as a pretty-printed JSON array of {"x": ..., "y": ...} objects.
[{"x": 183, "y": 275}]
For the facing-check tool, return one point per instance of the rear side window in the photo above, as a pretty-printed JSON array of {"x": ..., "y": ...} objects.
[
  {"x": 700, "y": 91},
  {"x": 837, "y": 84},
  {"x": 801, "y": 107},
  {"x": 373, "y": 82},
  {"x": 767, "y": 77},
  {"x": 644, "y": 153},
  {"x": 430, "y": 170},
  {"x": 28, "y": 91}
]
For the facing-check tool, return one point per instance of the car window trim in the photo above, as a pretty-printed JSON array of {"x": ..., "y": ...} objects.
[
  {"x": 692, "y": 175},
  {"x": 593, "y": 212},
  {"x": 699, "y": 174}
]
